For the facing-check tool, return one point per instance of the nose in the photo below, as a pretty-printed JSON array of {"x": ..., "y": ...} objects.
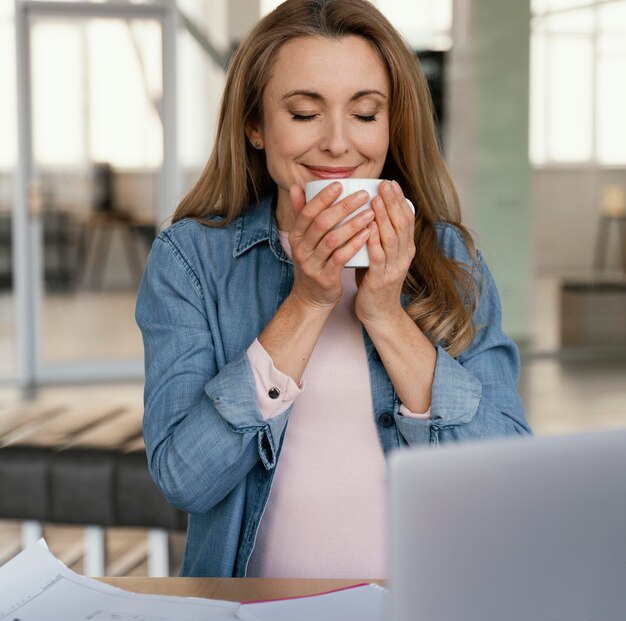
[{"x": 335, "y": 139}]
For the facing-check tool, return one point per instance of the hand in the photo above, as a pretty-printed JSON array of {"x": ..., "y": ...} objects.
[
  {"x": 320, "y": 253},
  {"x": 391, "y": 248}
]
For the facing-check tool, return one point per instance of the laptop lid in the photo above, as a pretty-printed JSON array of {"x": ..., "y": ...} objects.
[{"x": 510, "y": 530}]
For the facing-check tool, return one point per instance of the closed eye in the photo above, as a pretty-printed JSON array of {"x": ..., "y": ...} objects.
[
  {"x": 302, "y": 117},
  {"x": 366, "y": 118}
]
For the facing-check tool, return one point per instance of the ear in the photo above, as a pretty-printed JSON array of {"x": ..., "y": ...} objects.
[{"x": 255, "y": 135}]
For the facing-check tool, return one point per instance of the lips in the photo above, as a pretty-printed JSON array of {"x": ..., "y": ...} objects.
[{"x": 331, "y": 172}]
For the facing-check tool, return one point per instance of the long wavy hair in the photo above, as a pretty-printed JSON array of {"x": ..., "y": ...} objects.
[{"x": 442, "y": 292}]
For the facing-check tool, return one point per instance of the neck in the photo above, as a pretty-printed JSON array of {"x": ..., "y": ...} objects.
[{"x": 285, "y": 217}]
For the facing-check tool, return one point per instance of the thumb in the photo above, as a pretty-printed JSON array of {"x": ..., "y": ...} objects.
[{"x": 298, "y": 200}]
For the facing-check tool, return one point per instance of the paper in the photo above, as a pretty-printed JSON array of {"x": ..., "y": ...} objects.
[
  {"x": 35, "y": 586},
  {"x": 365, "y": 602}
]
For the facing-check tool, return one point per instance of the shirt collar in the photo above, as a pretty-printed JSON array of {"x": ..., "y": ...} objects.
[{"x": 256, "y": 224}]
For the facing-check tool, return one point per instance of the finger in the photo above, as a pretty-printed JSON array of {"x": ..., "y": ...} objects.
[
  {"x": 374, "y": 248},
  {"x": 341, "y": 256},
  {"x": 402, "y": 217},
  {"x": 333, "y": 215},
  {"x": 328, "y": 218},
  {"x": 387, "y": 232},
  {"x": 298, "y": 199},
  {"x": 395, "y": 203},
  {"x": 337, "y": 237},
  {"x": 396, "y": 206},
  {"x": 317, "y": 204}
]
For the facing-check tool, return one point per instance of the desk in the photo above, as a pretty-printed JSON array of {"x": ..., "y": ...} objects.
[{"x": 233, "y": 589}]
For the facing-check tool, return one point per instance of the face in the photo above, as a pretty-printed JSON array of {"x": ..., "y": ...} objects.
[{"x": 325, "y": 114}]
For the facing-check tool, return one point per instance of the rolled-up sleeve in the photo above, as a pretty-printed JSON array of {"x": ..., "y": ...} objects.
[
  {"x": 202, "y": 427},
  {"x": 475, "y": 394},
  {"x": 275, "y": 390}
]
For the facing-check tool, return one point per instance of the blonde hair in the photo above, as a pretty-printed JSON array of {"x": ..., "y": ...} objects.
[{"x": 442, "y": 292}]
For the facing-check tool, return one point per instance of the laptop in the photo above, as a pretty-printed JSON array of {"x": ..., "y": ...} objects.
[{"x": 523, "y": 529}]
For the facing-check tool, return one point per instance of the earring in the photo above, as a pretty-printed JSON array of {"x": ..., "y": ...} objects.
[{"x": 257, "y": 145}]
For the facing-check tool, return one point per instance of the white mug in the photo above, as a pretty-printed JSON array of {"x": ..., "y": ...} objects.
[{"x": 350, "y": 186}]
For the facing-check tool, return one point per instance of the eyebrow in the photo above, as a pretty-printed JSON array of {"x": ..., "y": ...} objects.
[{"x": 318, "y": 97}]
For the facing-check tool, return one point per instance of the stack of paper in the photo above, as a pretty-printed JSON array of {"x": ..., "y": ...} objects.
[{"x": 36, "y": 586}]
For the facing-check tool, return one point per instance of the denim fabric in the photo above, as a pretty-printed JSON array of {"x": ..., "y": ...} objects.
[{"x": 206, "y": 294}]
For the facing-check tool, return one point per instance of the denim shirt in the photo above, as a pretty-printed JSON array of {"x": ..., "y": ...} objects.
[{"x": 206, "y": 294}]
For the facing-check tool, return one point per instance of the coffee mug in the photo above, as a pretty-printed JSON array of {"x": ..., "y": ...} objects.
[{"x": 350, "y": 186}]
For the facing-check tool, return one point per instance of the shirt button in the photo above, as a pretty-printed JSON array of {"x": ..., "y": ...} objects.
[
  {"x": 273, "y": 393},
  {"x": 386, "y": 419},
  {"x": 434, "y": 428}
]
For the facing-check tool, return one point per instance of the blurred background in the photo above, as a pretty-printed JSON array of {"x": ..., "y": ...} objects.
[{"x": 107, "y": 116}]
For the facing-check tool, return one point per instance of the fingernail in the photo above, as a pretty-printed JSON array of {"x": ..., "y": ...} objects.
[
  {"x": 335, "y": 186},
  {"x": 396, "y": 187},
  {"x": 362, "y": 195},
  {"x": 367, "y": 215}
]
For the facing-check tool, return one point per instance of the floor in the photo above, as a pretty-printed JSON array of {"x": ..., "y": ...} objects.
[
  {"x": 562, "y": 394},
  {"x": 77, "y": 326},
  {"x": 568, "y": 396}
]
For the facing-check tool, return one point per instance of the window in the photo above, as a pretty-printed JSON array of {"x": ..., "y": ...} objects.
[
  {"x": 96, "y": 87},
  {"x": 578, "y": 64},
  {"x": 96, "y": 90},
  {"x": 611, "y": 84},
  {"x": 8, "y": 111}
]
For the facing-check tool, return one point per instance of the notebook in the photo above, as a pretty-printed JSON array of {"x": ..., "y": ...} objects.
[
  {"x": 365, "y": 602},
  {"x": 513, "y": 529}
]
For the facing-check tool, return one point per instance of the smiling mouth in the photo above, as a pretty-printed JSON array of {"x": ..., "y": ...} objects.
[{"x": 331, "y": 172}]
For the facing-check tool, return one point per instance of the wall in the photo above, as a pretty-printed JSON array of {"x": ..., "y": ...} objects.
[
  {"x": 487, "y": 142},
  {"x": 242, "y": 15},
  {"x": 565, "y": 216}
]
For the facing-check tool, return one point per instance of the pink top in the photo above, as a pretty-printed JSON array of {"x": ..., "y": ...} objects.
[{"x": 326, "y": 511}]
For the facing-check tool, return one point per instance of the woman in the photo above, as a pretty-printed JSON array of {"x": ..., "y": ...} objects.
[{"x": 250, "y": 321}]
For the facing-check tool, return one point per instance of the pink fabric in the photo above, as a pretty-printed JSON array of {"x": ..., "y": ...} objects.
[
  {"x": 266, "y": 377},
  {"x": 406, "y": 412},
  {"x": 325, "y": 517}
]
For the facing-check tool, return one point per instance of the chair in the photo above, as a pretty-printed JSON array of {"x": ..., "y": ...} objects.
[{"x": 612, "y": 213}]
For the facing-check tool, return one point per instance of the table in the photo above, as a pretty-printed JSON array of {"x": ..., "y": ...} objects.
[{"x": 233, "y": 589}]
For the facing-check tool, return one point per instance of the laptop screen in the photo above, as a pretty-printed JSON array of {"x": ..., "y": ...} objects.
[{"x": 513, "y": 529}]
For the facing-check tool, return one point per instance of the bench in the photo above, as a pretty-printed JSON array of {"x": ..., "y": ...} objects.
[{"x": 71, "y": 466}]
